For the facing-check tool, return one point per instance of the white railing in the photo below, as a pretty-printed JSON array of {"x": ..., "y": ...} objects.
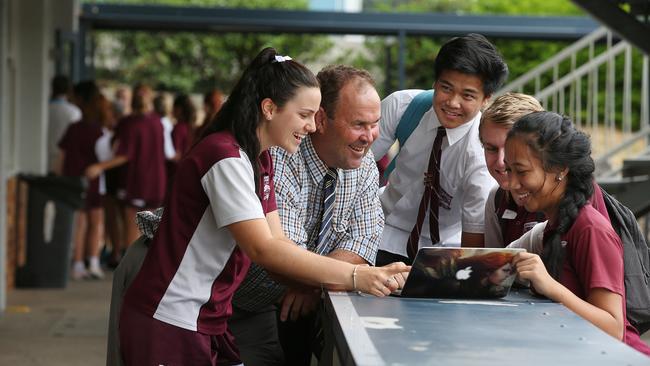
[{"x": 601, "y": 82}]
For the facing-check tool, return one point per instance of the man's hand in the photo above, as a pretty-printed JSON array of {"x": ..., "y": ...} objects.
[{"x": 299, "y": 302}]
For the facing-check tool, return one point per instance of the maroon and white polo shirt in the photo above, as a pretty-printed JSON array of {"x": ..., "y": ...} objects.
[{"x": 193, "y": 265}]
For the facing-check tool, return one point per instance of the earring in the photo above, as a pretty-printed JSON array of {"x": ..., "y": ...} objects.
[{"x": 559, "y": 177}]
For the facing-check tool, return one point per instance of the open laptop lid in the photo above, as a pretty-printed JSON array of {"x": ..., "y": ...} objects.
[{"x": 462, "y": 273}]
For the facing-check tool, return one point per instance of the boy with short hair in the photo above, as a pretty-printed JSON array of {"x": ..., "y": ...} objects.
[
  {"x": 505, "y": 220},
  {"x": 447, "y": 206}
]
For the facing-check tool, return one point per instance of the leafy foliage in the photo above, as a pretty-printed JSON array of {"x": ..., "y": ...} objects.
[
  {"x": 196, "y": 62},
  {"x": 200, "y": 61},
  {"x": 520, "y": 55}
]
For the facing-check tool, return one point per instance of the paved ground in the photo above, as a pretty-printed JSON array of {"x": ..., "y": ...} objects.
[{"x": 56, "y": 326}]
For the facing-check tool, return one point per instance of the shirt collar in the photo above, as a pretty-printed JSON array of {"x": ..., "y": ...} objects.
[
  {"x": 315, "y": 166},
  {"x": 453, "y": 134}
]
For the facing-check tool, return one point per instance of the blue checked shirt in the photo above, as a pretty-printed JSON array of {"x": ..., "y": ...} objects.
[{"x": 357, "y": 221}]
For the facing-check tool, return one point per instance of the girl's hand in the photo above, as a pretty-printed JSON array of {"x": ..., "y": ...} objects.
[
  {"x": 530, "y": 267},
  {"x": 381, "y": 281}
]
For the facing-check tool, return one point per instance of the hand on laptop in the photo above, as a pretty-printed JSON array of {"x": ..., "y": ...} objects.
[
  {"x": 401, "y": 279},
  {"x": 381, "y": 281},
  {"x": 531, "y": 267}
]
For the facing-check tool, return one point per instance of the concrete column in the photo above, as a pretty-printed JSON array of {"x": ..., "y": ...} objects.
[
  {"x": 33, "y": 71},
  {"x": 27, "y": 31},
  {"x": 4, "y": 21}
]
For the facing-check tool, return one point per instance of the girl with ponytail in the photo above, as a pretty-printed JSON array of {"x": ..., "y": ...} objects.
[
  {"x": 550, "y": 169},
  {"x": 220, "y": 215}
]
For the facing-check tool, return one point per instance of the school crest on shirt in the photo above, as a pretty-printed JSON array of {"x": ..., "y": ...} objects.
[{"x": 267, "y": 188}]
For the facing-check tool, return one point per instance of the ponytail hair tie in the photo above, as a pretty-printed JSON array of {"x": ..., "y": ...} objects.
[{"x": 279, "y": 58}]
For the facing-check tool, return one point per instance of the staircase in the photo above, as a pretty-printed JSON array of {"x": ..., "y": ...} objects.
[
  {"x": 602, "y": 83},
  {"x": 629, "y": 18}
]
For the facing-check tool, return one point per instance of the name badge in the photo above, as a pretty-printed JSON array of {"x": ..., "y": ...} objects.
[
  {"x": 267, "y": 187},
  {"x": 529, "y": 225},
  {"x": 509, "y": 214}
]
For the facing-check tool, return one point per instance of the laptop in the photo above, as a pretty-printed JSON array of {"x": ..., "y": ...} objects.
[{"x": 461, "y": 273}]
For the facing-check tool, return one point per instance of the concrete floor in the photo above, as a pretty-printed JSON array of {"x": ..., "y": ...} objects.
[{"x": 56, "y": 326}]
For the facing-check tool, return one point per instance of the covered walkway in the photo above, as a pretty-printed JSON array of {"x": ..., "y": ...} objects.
[{"x": 56, "y": 327}]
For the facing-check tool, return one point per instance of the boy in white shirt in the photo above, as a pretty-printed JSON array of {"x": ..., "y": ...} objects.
[{"x": 467, "y": 71}]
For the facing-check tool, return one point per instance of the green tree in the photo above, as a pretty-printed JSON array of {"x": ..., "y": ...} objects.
[
  {"x": 196, "y": 62},
  {"x": 520, "y": 55}
]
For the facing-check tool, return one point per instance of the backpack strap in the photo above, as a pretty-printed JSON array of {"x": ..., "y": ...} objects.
[
  {"x": 409, "y": 121},
  {"x": 501, "y": 203}
]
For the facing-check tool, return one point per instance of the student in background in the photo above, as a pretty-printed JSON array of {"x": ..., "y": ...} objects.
[
  {"x": 139, "y": 150},
  {"x": 161, "y": 107},
  {"x": 212, "y": 102},
  {"x": 78, "y": 151},
  {"x": 185, "y": 115},
  {"x": 61, "y": 113},
  {"x": 114, "y": 220}
]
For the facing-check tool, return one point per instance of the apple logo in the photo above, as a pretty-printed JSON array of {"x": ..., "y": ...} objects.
[{"x": 464, "y": 273}]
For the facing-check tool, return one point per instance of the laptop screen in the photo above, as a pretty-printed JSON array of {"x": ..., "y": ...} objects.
[{"x": 463, "y": 273}]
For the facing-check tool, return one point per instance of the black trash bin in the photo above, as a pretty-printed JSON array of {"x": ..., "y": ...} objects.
[{"x": 51, "y": 204}]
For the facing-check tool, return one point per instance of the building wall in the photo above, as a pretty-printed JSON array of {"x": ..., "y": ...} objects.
[
  {"x": 27, "y": 38},
  {"x": 4, "y": 24}
]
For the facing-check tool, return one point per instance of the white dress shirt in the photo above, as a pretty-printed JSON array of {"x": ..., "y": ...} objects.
[
  {"x": 493, "y": 234},
  {"x": 61, "y": 114},
  {"x": 463, "y": 176}
]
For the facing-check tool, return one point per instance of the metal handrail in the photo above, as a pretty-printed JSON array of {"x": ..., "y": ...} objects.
[
  {"x": 592, "y": 104},
  {"x": 625, "y": 144},
  {"x": 547, "y": 65},
  {"x": 582, "y": 70}
]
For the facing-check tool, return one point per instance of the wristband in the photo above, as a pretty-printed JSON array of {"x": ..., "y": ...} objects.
[{"x": 354, "y": 278}]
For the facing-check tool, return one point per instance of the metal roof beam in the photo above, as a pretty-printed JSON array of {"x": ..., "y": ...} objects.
[
  {"x": 624, "y": 24},
  {"x": 206, "y": 19}
]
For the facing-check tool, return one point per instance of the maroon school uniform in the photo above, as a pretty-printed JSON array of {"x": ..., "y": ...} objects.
[
  {"x": 522, "y": 221},
  {"x": 594, "y": 259},
  {"x": 194, "y": 265},
  {"x": 140, "y": 139},
  {"x": 518, "y": 221},
  {"x": 181, "y": 137},
  {"x": 78, "y": 143}
]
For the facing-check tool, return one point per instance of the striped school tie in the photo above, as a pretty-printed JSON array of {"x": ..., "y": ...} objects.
[
  {"x": 329, "y": 194},
  {"x": 431, "y": 198}
]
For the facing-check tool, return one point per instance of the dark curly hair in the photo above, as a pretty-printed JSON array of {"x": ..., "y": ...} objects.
[
  {"x": 263, "y": 78},
  {"x": 559, "y": 145}
]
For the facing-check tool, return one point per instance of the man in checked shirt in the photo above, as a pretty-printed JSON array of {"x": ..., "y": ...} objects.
[{"x": 346, "y": 125}]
